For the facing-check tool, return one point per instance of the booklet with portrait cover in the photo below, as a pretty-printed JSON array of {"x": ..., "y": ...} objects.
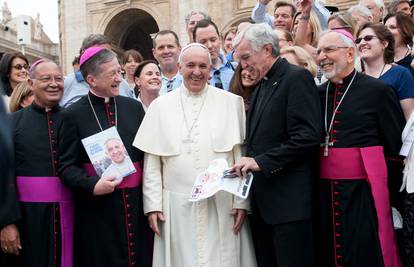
[
  {"x": 108, "y": 155},
  {"x": 216, "y": 178}
]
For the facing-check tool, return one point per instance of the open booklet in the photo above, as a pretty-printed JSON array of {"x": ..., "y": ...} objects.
[
  {"x": 216, "y": 178},
  {"x": 108, "y": 154}
]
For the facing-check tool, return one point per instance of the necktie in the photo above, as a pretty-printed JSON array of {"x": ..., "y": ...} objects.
[
  {"x": 217, "y": 78},
  {"x": 169, "y": 85}
]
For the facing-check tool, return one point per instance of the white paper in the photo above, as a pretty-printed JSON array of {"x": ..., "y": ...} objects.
[
  {"x": 216, "y": 178},
  {"x": 408, "y": 142}
]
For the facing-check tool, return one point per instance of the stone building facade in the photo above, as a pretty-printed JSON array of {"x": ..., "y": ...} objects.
[
  {"x": 40, "y": 45},
  {"x": 131, "y": 23}
]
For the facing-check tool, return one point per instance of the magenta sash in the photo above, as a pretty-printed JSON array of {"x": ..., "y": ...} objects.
[
  {"x": 130, "y": 181},
  {"x": 48, "y": 190},
  {"x": 366, "y": 163}
]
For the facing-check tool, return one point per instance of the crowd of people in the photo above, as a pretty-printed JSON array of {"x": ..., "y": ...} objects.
[{"x": 316, "y": 103}]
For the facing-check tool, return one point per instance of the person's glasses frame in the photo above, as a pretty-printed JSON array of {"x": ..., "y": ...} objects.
[
  {"x": 329, "y": 49},
  {"x": 21, "y": 66},
  {"x": 366, "y": 38}
]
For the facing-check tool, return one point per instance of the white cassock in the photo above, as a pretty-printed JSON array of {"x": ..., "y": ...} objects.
[{"x": 194, "y": 233}]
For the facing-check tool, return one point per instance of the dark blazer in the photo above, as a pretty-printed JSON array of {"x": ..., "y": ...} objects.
[{"x": 283, "y": 136}]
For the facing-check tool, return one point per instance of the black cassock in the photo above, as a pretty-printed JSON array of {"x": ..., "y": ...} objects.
[
  {"x": 110, "y": 230},
  {"x": 369, "y": 115},
  {"x": 34, "y": 133}
]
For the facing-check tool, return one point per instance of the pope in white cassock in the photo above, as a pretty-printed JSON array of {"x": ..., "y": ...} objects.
[{"x": 182, "y": 132}]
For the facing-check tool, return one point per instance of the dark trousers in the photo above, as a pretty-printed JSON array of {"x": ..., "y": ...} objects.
[{"x": 283, "y": 245}]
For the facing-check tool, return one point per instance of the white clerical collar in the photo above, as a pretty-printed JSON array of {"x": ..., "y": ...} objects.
[{"x": 107, "y": 98}]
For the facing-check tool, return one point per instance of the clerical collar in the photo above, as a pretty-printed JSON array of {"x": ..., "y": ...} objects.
[
  {"x": 347, "y": 79},
  {"x": 272, "y": 69},
  {"x": 99, "y": 99},
  {"x": 38, "y": 108}
]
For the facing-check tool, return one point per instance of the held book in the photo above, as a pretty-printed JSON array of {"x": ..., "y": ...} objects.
[
  {"x": 217, "y": 177},
  {"x": 108, "y": 155}
]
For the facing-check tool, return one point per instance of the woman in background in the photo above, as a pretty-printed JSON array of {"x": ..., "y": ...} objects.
[
  {"x": 14, "y": 69},
  {"x": 21, "y": 97},
  {"x": 147, "y": 79},
  {"x": 402, "y": 28},
  {"x": 298, "y": 56},
  {"x": 130, "y": 60},
  {"x": 375, "y": 44},
  {"x": 243, "y": 82}
]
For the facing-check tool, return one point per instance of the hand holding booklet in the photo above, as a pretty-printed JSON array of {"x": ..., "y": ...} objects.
[
  {"x": 217, "y": 177},
  {"x": 108, "y": 154}
]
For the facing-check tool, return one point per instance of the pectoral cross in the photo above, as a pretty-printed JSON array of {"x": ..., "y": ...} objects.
[{"x": 325, "y": 145}]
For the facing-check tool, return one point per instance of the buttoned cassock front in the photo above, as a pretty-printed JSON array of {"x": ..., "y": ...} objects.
[{"x": 200, "y": 233}]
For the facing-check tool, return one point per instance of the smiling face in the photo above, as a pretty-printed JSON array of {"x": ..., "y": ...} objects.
[
  {"x": 149, "y": 78},
  {"x": 335, "y": 59},
  {"x": 260, "y": 61},
  {"x": 249, "y": 77},
  {"x": 115, "y": 150},
  {"x": 283, "y": 18},
  {"x": 47, "y": 84},
  {"x": 19, "y": 71},
  {"x": 195, "y": 68},
  {"x": 371, "y": 49},
  {"x": 166, "y": 51},
  {"x": 106, "y": 83}
]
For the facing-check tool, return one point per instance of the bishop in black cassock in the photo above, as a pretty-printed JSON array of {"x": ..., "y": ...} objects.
[
  {"x": 110, "y": 226},
  {"x": 44, "y": 204},
  {"x": 362, "y": 126}
]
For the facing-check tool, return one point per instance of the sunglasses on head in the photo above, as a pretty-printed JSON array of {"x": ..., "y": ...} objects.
[
  {"x": 366, "y": 38},
  {"x": 20, "y": 66}
]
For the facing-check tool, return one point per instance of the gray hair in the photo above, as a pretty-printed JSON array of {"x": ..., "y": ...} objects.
[
  {"x": 194, "y": 12},
  {"x": 93, "y": 65},
  {"x": 93, "y": 40},
  {"x": 378, "y": 3},
  {"x": 258, "y": 36},
  {"x": 180, "y": 57},
  {"x": 360, "y": 9}
]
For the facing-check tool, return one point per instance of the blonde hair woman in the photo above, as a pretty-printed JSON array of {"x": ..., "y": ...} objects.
[
  {"x": 21, "y": 97},
  {"x": 298, "y": 56},
  {"x": 306, "y": 28}
]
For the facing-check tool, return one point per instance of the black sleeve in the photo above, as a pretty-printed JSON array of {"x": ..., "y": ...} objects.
[
  {"x": 303, "y": 125},
  {"x": 9, "y": 206},
  {"x": 70, "y": 163},
  {"x": 391, "y": 122}
]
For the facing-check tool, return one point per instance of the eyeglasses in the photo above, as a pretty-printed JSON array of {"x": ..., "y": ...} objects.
[
  {"x": 366, "y": 38},
  {"x": 329, "y": 49},
  {"x": 20, "y": 66},
  {"x": 217, "y": 78}
]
